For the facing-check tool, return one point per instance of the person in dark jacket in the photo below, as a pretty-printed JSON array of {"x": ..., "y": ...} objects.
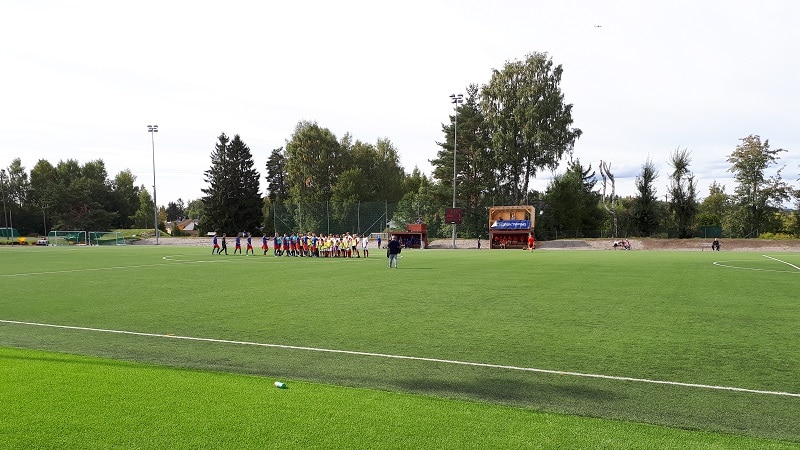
[{"x": 393, "y": 251}]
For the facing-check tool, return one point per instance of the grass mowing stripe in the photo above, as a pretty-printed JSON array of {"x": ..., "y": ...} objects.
[
  {"x": 102, "y": 403},
  {"x": 415, "y": 358},
  {"x": 96, "y": 269}
]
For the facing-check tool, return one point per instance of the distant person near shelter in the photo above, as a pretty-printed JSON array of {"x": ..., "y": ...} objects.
[
  {"x": 531, "y": 242},
  {"x": 393, "y": 252}
]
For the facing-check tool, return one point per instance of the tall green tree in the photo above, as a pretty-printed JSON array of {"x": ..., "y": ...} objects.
[
  {"x": 572, "y": 202},
  {"x": 529, "y": 121},
  {"x": 277, "y": 185},
  {"x": 682, "y": 192},
  {"x": 313, "y": 163},
  {"x": 84, "y": 198},
  {"x": 44, "y": 191},
  {"x": 713, "y": 210},
  {"x": 143, "y": 217},
  {"x": 195, "y": 208},
  {"x": 422, "y": 200},
  {"x": 125, "y": 198},
  {"x": 388, "y": 173},
  {"x": 757, "y": 196},
  {"x": 232, "y": 202},
  {"x": 175, "y": 210},
  {"x": 370, "y": 173},
  {"x": 644, "y": 210},
  {"x": 17, "y": 183}
]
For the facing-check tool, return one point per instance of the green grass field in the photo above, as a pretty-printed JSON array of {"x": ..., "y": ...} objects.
[{"x": 549, "y": 349}]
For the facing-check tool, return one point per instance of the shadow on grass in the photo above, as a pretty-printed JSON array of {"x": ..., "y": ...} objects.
[
  {"x": 511, "y": 390},
  {"x": 74, "y": 360}
]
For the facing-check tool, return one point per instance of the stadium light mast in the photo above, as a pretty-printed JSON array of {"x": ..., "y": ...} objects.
[
  {"x": 154, "y": 129},
  {"x": 3, "y": 193},
  {"x": 455, "y": 99}
]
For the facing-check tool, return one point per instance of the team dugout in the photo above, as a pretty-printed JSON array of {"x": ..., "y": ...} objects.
[{"x": 509, "y": 226}]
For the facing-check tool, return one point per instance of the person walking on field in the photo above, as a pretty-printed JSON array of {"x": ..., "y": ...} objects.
[
  {"x": 238, "y": 246},
  {"x": 393, "y": 251},
  {"x": 215, "y": 248},
  {"x": 224, "y": 245}
]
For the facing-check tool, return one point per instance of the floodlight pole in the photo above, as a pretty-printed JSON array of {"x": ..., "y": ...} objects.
[
  {"x": 3, "y": 193},
  {"x": 154, "y": 129},
  {"x": 456, "y": 100}
]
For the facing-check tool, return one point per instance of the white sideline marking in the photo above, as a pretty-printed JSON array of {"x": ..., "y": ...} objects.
[
  {"x": 776, "y": 259},
  {"x": 414, "y": 358}
]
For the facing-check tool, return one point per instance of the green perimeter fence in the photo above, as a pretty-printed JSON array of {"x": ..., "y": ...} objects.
[
  {"x": 375, "y": 217},
  {"x": 332, "y": 217}
]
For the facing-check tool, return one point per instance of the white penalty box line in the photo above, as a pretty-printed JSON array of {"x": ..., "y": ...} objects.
[
  {"x": 411, "y": 358},
  {"x": 780, "y": 261}
]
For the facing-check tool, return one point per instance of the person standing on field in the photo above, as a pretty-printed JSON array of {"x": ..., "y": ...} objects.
[
  {"x": 393, "y": 251},
  {"x": 365, "y": 246},
  {"x": 238, "y": 245},
  {"x": 249, "y": 245}
]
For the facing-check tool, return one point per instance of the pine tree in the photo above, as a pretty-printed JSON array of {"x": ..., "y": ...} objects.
[
  {"x": 232, "y": 202},
  {"x": 644, "y": 209}
]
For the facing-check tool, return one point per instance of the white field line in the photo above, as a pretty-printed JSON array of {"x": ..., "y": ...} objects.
[
  {"x": 415, "y": 358},
  {"x": 776, "y": 259},
  {"x": 729, "y": 266}
]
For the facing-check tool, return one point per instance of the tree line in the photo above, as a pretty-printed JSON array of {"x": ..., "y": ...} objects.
[{"x": 508, "y": 131}]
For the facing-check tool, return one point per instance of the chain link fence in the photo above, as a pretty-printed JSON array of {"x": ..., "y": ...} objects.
[{"x": 332, "y": 217}]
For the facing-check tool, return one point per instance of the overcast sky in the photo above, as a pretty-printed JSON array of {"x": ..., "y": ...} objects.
[{"x": 83, "y": 79}]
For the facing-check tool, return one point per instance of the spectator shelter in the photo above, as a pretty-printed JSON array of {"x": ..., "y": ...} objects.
[
  {"x": 415, "y": 236},
  {"x": 509, "y": 226}
]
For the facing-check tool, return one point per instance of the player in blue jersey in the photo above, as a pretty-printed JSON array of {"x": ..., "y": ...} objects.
[
  {"x": 215, "y": 248},
  {"x": 238, "y": 245},
  {"x": 249, "y": 248}
]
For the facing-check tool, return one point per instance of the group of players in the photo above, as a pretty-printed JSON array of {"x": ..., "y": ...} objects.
[{"x": 302, "y": 245}]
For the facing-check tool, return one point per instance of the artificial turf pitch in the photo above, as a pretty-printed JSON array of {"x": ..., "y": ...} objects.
[{"x": 687, "y": 340}]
